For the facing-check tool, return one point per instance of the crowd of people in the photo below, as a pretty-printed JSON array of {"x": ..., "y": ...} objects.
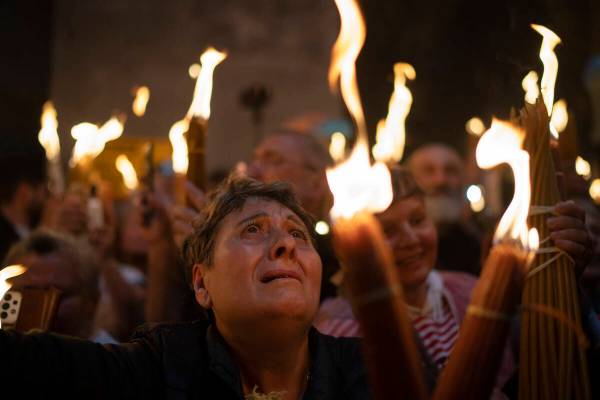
[{"x": 236, "y": 292}]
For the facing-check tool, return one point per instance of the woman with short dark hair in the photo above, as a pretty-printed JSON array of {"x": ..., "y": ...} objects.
[{"x": 254, "y": 266}]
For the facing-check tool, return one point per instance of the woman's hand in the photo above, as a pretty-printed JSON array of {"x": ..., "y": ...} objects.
[{"x": 568, "y": 232}]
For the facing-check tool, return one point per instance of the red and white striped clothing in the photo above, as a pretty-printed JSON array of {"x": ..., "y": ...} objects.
[{"x": 438, "y": 336}]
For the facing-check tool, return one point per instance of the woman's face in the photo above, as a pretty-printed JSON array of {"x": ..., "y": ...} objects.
[
  {"x": 413, "y": 239},
  {"x": 264, "y": 266}
]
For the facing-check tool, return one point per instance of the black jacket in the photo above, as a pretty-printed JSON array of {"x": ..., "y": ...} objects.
[{"x": 184, "y": 361}]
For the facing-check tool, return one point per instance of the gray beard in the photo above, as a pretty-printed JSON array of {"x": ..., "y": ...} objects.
[{"x": 443, "y": 208}]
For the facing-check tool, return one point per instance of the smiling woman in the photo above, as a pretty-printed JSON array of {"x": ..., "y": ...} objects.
[{"x": 253, "y": 264}]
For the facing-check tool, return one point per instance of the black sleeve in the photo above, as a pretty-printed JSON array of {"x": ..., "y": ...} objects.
[{"x": 51, "y": 366}]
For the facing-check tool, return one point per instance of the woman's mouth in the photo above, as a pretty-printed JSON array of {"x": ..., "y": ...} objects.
[{"x": 279, "y": 274}]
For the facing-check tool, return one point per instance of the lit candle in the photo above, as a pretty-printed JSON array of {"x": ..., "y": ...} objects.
[
  {"x": 370, "y": 276},
  {"x": 48, "y": 137}
]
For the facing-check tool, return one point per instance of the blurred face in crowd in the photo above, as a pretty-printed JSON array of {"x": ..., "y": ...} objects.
[
  {"x": 264, "y": 268},
  {"x": 438, "y": 170},
  {"x": 413, "y": 239},
  {"x": 287, "y": 157},
  {"x": 75, "y": 310}
]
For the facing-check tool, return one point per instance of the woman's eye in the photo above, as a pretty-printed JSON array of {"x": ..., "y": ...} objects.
[
  {"x": 298, "y": 234},
  {"x": 252, "y": 228}
]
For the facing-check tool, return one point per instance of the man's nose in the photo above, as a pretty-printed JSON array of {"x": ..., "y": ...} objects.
[{"x": 284, "y": 246}]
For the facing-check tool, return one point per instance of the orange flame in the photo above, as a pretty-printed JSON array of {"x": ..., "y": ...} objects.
[
  {"x": 343, "y": 58},
  {"x": 502, "y": 143},
  {"x": 142, "y": 95},
  {"x": 560, "y": 116},
  {"x": 391, "y": 132},
  {"x": 9, "y": 272},
  {"x": 125, "y": 167},
  {"x": 48, "y": 135},
  {"x": 355, "y": 183},
  {"x": 179, "y": 144},
  {"x": 530, "y": 86},
  {"x": 583, "y": 168},
  {"x": 91, "y": 139},
  {"x": 550, "y": 61},
  {"x": 595, "y": 191},
  {"x": 200, "y": 106}
]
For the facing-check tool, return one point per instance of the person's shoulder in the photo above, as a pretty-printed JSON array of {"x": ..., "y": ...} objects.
[{"x": 459, "y": 281}]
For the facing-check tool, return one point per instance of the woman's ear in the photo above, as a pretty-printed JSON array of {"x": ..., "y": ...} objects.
[{"x": 200, "y": 291}]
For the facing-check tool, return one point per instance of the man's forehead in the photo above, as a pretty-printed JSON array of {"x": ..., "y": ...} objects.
[{"x": 287, "y": 144}]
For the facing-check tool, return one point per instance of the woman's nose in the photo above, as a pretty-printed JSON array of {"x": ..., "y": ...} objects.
[
  {"x": 404, "y": 236},
  {"x": 284, "y": 246}
]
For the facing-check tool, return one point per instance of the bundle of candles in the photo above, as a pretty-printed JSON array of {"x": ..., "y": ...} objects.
[
  {"x": 552, "y": 358},
  {"x": 475, "y": 359}
]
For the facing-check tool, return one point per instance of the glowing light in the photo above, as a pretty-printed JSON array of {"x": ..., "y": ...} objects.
[
  {"x": 337, "y": 146},
  {"x": 91, "y": 140},
  {"x": 200, "y": 106},
  {"x": 475, "y": 126},
  {"x": 550, "y": 61},
  {"x": 583, "y": 168},
  {"x": 142, "y": 95},
  {"x": 179, "y": 144},
  {"x": 595, "y": 190},
  {"x": 48, "y": 135},
  {"x": 322, "y": 228},
  {"x": 560, "y": 116},
  {"x": 502, "y": 143},
  {"x": 391, "y": 132},
  {"x": 475, "y": 197},
  {"x": 125, "y": 167},
  {"x": 5, "y": 274},
  {"x": 530, "y": 86}
]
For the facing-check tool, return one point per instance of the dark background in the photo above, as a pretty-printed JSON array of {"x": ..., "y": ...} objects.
[{"x": 470, "y": 57}]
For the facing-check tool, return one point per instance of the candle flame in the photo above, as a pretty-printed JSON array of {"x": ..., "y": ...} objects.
[
  {"x": 91, "y": 139},
  {"x": 179, "y": 144},
  {"x": 359, "y": 186},
  {"x": 530, "y": 86},
  {"x": 200, "y": 106},
  {"x": 502, "y": 143},
  {"x": 337, "y": 146},
  {"x": 391, "y": 132},
  {"x": 48, "y": 135},
  {"x": 194, "y": 70},
  {"x": 9, "y": 272},
  {"x": 550, "y": 61},
  {"x": 355, "y": 183},
  {"x": 125, "y": 167},
  {"x": 475, "y": 126},
  {"x": 142, "y": 95},
  {"x": 560, "y": 116},
  {"x": 343, "y": 57},
  {"x": 595, "y": 190},
  {"x": 583, "y": 168}
]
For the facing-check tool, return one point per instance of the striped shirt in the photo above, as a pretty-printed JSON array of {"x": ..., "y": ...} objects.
[{"x": 438, "y": 337}]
